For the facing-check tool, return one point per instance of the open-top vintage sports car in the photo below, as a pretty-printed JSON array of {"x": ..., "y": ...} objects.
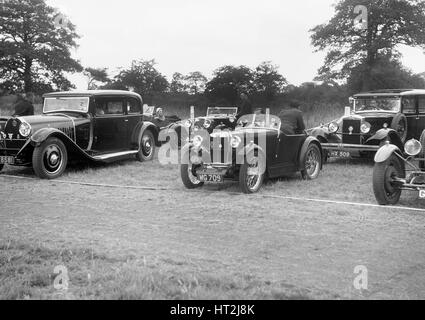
[
  {"x": 256, "y": 149},
  {"x": 216, "y": 118},
  {"x": 373, "y": 118},
  {"x": 101, "y": 126},
  {"x": 397, "y": 169}
]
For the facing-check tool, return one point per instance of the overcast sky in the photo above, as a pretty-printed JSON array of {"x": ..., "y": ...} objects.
[{"x": 202, "y": 35}]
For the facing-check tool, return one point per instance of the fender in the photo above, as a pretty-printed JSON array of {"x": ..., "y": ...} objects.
[
  {"x": 43, "y": 134},
  {"x": 249, "y": 148},
  {"x": 380, "y": 135},
  {"x": 303, "y": 152},
  {"x": 140, "y": 130},
  {"x": 320, "y": 134},
  {"x": 385, "y": 152}
]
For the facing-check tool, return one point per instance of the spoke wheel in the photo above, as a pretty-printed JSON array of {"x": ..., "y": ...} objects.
[
  {"x": 50, "y": 159},
  {"x": 251, "y": 174},
  {"x": 313, "y": 163},
  {"x": 189, "y": 180}
]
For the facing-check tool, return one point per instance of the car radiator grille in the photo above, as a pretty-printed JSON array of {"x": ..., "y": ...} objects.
[
  {"x": 351, "y": 136},
  {"x": 221, "y": 153}
]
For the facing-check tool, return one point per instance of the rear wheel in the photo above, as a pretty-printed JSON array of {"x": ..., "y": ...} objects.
[
  {"x": 384, "y": 174},
  {"x": 312, "y": 164},
  {"x": 189, "y": 180},
  {"x": 50, "y": 159},
  {"x": 252, "y": 172},
  {"x": 147, "y": 147}
]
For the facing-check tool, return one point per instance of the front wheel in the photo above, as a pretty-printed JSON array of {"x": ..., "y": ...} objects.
[
  {"x": 384, "y": 175},
  {"x": 50, "y": 159},
  {"x": 313, "y": 163},
  {"x": 190, "y": 181},
  {"x": 252, "y": 172},
  {"x": 422, "y": 154},
  {"x": 147, "y": 147}
]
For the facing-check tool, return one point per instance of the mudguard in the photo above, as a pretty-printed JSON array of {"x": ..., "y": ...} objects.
[
  {"x": 380, "y": 135},
  {"x": 320, "y": 133},
  {"x": 43, "y": 134},
  {"x": 142, "y": 127},
  {"x": 303, "y": 152},
  {"x": 385, "y": 152},
  {"x": 249, "y": 148}
]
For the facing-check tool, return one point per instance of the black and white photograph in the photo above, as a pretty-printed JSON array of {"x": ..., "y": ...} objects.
[{"x": 219, "y": 151}]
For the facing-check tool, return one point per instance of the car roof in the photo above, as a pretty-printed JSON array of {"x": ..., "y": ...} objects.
[
  {"x": 92, "y": 93},
  {"x": 392, "y": 92}
]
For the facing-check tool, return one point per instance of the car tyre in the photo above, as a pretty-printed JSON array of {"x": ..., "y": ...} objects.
[
  {"x": 422, "y": 154},
  {"x": 190, "y": 181},
  {"x": 1, "y": 167},
  {"x": 50, "y": 159},
  {"x": 385, "y": 192},
  {"x": 252, "y": 183},
  {"x": 399, "y": 124},
  {"x": 313, "y": 163},
  {"x": 147, "y": 147}
]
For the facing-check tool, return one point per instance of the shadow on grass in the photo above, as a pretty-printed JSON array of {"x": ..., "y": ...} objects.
[{"x": 27, "y": 272}]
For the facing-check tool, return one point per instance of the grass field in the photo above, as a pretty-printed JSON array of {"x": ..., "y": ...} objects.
[{"x": 214, "y": 243}]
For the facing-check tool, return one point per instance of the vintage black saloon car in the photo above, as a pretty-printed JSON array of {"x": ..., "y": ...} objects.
[
  {"x": 256, "y": 149},
  {"x": 374, "y": 115},
  {"x": 100, "y": 126},
  {"x": 397, "y": 169}
]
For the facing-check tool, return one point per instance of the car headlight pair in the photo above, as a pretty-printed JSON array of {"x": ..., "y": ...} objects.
[
  {"x": 413, "y": 147},
  {"x": 25, "y": 129}
]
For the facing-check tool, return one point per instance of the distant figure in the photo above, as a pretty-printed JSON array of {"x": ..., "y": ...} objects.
[
  {"x": 246, "y": 106},
  {"x": 292, "y": 119},
  {"x": 24, "y": 105}
]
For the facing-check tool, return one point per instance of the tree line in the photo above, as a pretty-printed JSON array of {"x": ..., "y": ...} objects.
[{"x": 36, "y": 42}]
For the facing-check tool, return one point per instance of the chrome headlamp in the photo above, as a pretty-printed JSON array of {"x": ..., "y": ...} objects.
[
  {"x": 197, "y": 141},
  {"x": 413, "y": 147},
  {"x": 333, "y": 127},
  {"x": 188, "y": 123},
  {"x": 25, "y": 129},
  {"x": 207, "y": 124},
  {"x": 235, "y": 142},
  {"x": 365, "y": 127}
]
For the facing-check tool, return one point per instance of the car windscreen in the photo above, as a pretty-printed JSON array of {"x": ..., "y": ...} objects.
[
  {"x": 220, "y": 111},
  {"x": 60, "y": 104},
  {"x": 259, "y": 121},
  {"x": 391, "y": 104}
]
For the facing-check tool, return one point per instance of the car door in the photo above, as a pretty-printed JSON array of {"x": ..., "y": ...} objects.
[
  {"x": 134, "y": 117},
  {"x": 110, "y": 125}
]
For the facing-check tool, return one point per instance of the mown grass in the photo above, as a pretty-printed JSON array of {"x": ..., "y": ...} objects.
[{"x": 27, "y": 272}]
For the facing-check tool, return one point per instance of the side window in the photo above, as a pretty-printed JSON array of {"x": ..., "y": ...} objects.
[
  {"x": 409, "y": 105},
  {"x": 422, "y": 105},
  {"x": 133, "y": 106},
  {"x": 109, "y": 107}
]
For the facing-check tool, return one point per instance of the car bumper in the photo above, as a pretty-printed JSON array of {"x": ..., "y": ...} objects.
[{"x": 348, "y": 147}]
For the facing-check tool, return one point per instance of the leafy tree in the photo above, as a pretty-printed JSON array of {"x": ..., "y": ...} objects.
[
  {"x": 228, "y": 82},
  {"x": 196, "y": 82},
  {"x": 385, "y": 73},
  {"x": 178, "y": 83},
  {"x": 390, "y": 23},
  {"x": 268, "y": 82},
  {"x": 96, "y": 76},
  {"x": 35, "y": 44},
  {"x": 144, "y": 78}
]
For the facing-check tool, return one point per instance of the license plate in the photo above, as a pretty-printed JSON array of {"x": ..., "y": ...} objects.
[
  {"x": 212, "y": 178},
  {"x": 340, "y": 154},
  {"x": 421, "y": 194},
  {"x": 7, "y": 160}
]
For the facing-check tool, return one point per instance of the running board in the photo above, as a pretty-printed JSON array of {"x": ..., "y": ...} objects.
[{"x": 114, "y": 156}]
